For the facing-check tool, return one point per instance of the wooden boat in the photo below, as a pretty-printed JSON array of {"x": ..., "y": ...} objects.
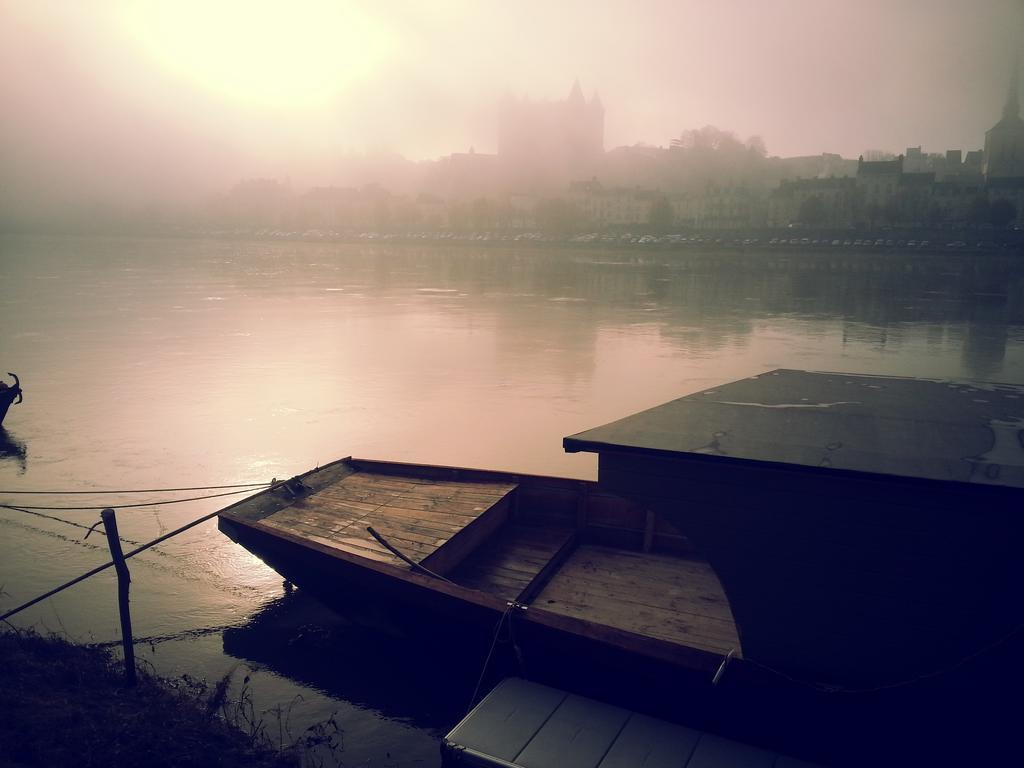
[
  {"x": 565, "y": 564},
  {"x": 821, "y": 564},
  {"x": 9, "y": 395}
]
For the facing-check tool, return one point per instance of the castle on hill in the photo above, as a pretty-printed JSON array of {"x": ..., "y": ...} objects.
[{"x": 544, "y": 145}]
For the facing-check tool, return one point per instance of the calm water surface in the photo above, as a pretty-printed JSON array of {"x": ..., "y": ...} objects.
[{"x": 166, "y": 363}]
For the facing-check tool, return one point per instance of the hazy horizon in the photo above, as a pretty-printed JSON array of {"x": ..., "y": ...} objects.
[{"x": 119, "y": 101}]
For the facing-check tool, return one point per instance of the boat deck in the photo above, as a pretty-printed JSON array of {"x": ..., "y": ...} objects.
[
  {"x": 507, "y": 564},
  {"x": 417, "y": 515},
  {"x": 663, "y": 596}
]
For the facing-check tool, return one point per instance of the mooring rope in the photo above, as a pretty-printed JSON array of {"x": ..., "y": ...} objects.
[
  {"x": 48, "y": 517},
  {"x": 110, "y": 564},
  {"x": 87, "y": 528},
  {"x": 506, "y": 616},
  {"x": 163, "y": 502},
  {"x": 139, "y": 490}
]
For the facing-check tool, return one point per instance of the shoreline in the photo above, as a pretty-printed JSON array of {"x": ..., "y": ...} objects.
[
  {"x": 892, "y": 243},
  {"x": 66, "y": 704}
]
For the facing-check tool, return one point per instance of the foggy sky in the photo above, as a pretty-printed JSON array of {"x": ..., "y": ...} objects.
[{"x": 140, "y": 100}]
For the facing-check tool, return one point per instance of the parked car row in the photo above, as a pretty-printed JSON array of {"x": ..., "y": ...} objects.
[
  {"x": 884, "y": 243},
  {"x": 608, "y": 239},
  {"x": 879, "y": 242}
]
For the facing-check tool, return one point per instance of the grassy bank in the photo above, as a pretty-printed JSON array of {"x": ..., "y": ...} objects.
[{"x": 63, "y": 704}]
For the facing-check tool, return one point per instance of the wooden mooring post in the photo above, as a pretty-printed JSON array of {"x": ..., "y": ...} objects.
[{"x": 123, "y": 580}]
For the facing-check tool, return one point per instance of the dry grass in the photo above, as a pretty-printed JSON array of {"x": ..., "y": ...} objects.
[{"x": 66, "y": 705}]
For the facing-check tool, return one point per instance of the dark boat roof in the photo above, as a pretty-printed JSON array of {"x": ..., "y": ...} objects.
[{"x": 930, "y": 429}]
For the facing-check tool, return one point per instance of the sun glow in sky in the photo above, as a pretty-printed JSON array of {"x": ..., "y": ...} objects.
[{"x": 262, "y": 54}]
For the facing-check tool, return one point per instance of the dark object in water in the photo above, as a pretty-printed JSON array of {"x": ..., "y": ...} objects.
[
  {"x": 9, "y": 395},
  {"x": 13, "y": 448}
]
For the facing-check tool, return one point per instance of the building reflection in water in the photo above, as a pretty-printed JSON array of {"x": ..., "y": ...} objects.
[{"x": 984, "y": 343}]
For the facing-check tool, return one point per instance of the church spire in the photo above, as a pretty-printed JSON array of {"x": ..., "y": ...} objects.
[{"x": 1012, "y": 109}]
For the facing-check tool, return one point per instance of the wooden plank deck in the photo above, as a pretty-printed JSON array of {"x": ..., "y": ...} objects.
[
  {"x": 418, "y": 516},
  {"x": 669, "y": 598},
  {"x": 506, "y": 564}
]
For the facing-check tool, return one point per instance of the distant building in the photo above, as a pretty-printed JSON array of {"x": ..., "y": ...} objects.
[
  {"x": 915, "y": 161},
  {"x": 471, "y": 175},
  {"x": 545, "y": 145},
  {"x": 823, "y": 166},
  {"x": 912, "y": 204},
  {"x": 1004, "y": 142},
  {"x": 974, "y": 163},
  {"x": 612, "y": 207},
  {"x": 731, "y": 208},
  {"x": 877, "y": 183},
  {"x": 957, "y": 166},
  {"x": 832, "y": 202},
  {"x": 953, "y": 200},
  {"x": 1009, "y": 191}
]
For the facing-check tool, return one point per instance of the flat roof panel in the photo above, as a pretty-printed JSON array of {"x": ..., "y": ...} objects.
[
  {"x": 649, "y": 743},
  {"x": 716, "y": 752},
  {"x": 949, "y": 430},
  {"x": 507, "y": 719},
  {"x": 577, "y": 735}
]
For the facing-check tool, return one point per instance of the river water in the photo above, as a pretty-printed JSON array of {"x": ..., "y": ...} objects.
[{"x": 178, "y": 363}]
